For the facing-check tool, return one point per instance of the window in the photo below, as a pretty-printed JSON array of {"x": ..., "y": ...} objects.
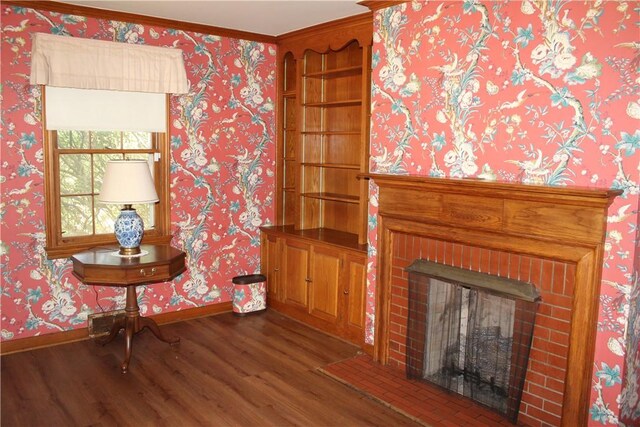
[
  {"x": 102, "y": 100},
  {"x": 75, "y": 164}
]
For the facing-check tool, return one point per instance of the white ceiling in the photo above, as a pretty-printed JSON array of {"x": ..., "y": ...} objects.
[{"x": 256, "y": 16}]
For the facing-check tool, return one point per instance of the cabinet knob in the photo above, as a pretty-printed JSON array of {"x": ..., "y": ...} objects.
[
  {"x": 346, "y": 292},
  {"x": 276, "y": 269},
  {"x": 151, "y": 272},
  {"x": 308, "y": 280}
]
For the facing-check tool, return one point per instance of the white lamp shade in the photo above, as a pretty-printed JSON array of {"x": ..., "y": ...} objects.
[{"x": 127, "y": 182}]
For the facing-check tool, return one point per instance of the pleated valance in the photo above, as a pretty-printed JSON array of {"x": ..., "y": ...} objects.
[{"x": 95, "y": 64}]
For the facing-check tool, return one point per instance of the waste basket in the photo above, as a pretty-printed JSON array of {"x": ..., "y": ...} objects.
[{"x": 249, "y": 294}]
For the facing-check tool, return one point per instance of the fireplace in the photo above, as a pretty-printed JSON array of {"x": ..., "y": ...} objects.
[
  {"x": 470, "y": 333},
  {"x": 549, "y": 236}
]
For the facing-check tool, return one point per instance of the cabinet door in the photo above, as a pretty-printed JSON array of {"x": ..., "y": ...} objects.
[
  {"x": 296, "y": 270},
  {"x": 270, "y": 266},
  {"x": 325, "y": 280},
  {"x": 355, "y": 294}
]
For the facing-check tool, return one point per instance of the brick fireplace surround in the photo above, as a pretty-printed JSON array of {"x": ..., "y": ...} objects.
[{"x": 549, "y": 236}]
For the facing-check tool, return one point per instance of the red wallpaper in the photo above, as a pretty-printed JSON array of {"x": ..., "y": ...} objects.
[
  {"x": 543, "y": 92},
  {"x": 222, "y": 160}
]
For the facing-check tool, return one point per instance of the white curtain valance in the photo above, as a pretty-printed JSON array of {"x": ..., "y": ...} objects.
[
  {"x": 95, "y": 64},
  {"x": 104, "y": 110}
]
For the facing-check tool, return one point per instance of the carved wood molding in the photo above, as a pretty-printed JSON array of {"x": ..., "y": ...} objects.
[
  {"x": 72, "y": 9},
  {"x": 560, "y": 223},
  {"x": 332, "y": 35}
]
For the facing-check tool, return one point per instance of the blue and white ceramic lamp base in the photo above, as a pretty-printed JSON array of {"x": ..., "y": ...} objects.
[{"x": 129, "y": 229}]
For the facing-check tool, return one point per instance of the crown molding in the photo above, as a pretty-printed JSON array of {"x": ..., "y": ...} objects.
[
  {"x": 378, "y": 4},
  {"x": 329, "y": 35},
  {"x": 72, "y": 9}
]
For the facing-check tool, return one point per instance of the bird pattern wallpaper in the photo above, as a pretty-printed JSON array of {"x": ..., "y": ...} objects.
[
  {"x": 222, "y": 174},
  {"x": 539, "y": 92},
  {"x": 542, "y": 92}
]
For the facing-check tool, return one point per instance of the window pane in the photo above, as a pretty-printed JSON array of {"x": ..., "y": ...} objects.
[
  {"x": 75, "y": 174},
  {"x": 105, "y": 217},
  {"x": 76, "y": 216},
  {"x": 136, "y": 140},
  {"x": 106, "y": 140},
  {"x": 99, "y": 166},
  {"x": 73, "y": 139}
]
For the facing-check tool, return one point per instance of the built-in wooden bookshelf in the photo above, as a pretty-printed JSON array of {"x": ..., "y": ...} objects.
[{"x": 315, "y": 256}]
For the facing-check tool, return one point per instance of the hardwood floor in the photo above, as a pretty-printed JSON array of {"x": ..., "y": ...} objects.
[{"x": 254, "y": 371}]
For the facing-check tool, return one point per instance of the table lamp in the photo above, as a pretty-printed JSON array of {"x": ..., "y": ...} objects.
[{"x": 128, "y": 182}]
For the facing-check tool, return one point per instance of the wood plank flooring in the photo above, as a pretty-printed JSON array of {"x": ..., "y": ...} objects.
[{"x": 259, "y": 370}]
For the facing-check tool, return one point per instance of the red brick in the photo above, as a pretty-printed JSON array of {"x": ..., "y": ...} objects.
[
  {"x": 545, "y": 417},
  {"x": 542, "y": 333},
  {"x": 550, "y": 347},
  {"x": 532, "y": 400},
  {"x": 561, "y": 314},
  {"x": 570, "y": 279},
  {"x": 536, "y": 378},
  {"x": 544, "y": 393},
  {"x": 399, "y": 240},
  {"x": 538, "y": 356},
  {"x": 552, "y": 323},
  {"x": 563, "y": 301},
  {"x": 558, "y": 361},
  {"x": 503, "y": 264},
  {"x": 474, "y": 258},
  {"x": 559, "y": 337},
  {"x": 536, "y": 271},
  {"x": 546, "y": 369},
  {"x": 556, "y": 384},
  {"x": 553, "y": 408},
  {"x": 546, "y": 276},
  {"x": 415, "y": 249}
]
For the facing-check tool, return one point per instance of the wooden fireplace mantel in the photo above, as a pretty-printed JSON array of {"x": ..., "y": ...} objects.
[{"x": 566, "y": 224}]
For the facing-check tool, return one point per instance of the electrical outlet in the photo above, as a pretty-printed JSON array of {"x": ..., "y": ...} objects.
[{"x": 100, "y": 324}]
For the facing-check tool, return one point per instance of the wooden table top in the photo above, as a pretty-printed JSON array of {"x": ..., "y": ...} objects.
[{"x": 99, "y": 265}]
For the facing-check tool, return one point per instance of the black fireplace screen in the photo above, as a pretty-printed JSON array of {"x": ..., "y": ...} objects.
[{"x": 470, "y": 333}]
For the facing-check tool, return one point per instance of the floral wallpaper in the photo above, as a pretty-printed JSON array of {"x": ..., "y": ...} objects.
[
  {"x": 544, "y": 92},
  {"x": 222, "y": 177}
]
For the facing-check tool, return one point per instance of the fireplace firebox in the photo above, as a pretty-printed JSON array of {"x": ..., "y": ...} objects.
[{"x": 470, "y": 333}]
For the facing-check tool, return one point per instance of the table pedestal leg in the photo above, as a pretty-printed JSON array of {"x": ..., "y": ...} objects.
[{"x": 133, "y": 323}]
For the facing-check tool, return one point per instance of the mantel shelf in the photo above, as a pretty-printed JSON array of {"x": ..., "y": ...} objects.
[{"x": 510, "y": 190}]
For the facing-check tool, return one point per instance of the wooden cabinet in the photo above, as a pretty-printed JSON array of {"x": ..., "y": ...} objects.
[
  {"x": 355, "y": 296},
  {"x": 315, "y": 254},
  {"x": 319, "y": 283},
  {"x": 324, "y": 283},
  {"x": 296, "y": 273}
]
